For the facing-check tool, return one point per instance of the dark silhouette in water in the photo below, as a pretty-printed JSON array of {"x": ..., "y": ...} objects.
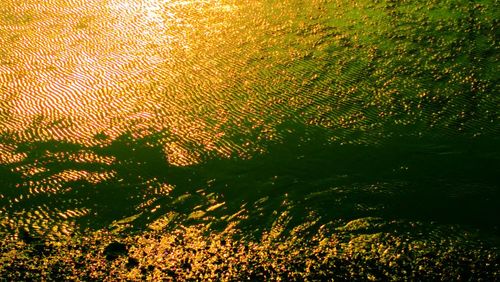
[{"x": 448, "y": 180}]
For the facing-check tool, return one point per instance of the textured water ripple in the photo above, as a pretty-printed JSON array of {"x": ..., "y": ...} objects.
[{"x": 86, "y": 87}]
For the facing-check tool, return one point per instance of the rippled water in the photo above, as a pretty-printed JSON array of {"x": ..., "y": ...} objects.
[{"x": 117, "y": 113}]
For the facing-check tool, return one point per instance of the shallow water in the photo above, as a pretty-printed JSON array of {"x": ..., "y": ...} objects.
[{"x": 119, "y": 114}]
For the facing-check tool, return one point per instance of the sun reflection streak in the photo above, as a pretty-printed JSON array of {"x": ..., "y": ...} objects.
[{"x": 108, "y": 68}]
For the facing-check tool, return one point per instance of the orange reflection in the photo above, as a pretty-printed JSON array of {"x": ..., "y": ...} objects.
[{"x": 78, "y": 69}]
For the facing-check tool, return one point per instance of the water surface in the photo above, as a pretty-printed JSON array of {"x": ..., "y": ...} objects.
[{"x": 120, "y": 113}]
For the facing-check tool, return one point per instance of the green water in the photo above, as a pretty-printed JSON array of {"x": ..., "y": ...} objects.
[{"x": 129, "y": 115}]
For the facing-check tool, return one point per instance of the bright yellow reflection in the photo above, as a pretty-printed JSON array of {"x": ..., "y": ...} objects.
[{"x": 77, "y": 69}]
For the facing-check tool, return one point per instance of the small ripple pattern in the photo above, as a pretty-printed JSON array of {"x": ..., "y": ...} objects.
[{"x": 72, "y": 70}]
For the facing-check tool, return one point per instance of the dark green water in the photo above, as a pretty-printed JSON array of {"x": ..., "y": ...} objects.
[{"x": 124, "y": 115}]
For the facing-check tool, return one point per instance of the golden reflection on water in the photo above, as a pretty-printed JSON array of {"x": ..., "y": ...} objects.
[
  {"x": 73, "y": 69},
  {"x": 200, "y": 76},
  {"x": 198, "y": 79}
]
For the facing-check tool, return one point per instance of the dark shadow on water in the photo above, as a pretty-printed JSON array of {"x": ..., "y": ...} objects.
[
  {"x": 404, "y": 178},
  {"x": 428, "y": 179}
]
